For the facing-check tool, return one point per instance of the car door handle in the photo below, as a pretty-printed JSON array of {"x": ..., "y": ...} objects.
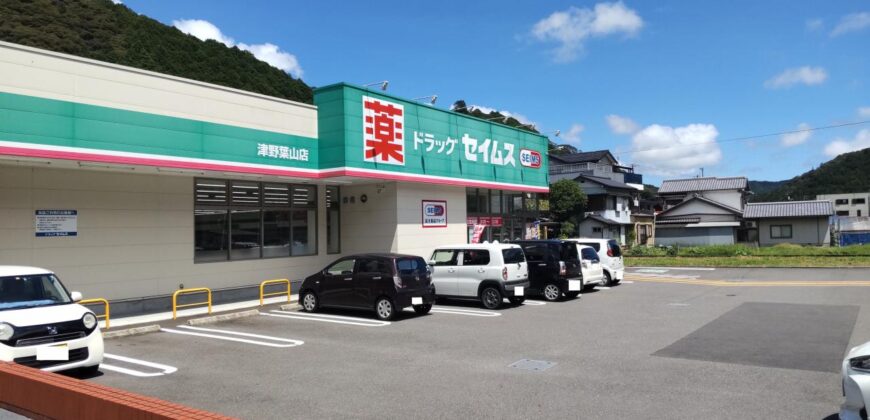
[
  {"x": 542, "y": 265},
  {"x": 376, "y": 278},
  {"x": 480, "y": 270},
  {"x": 348, "y": 278},
  {"x": 451, "y": 270}
]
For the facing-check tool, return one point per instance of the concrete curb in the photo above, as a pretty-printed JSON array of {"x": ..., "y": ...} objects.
[
  {"x": 223, "y": 317},
  {"x": 290, "y": 307},
  {"x": 132, "y": 331}
]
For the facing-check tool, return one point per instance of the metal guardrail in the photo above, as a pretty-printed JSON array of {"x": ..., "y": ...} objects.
[
  {"x": 175, "y": 295},
  {"x": 277, "y": 281},
  {"x": 105, "y": 306}
]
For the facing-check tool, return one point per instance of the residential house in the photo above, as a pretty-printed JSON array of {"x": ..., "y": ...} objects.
[
  {"x": 849, "y": 205},
  {"x": 792, "y": 222},
  {"x": 702, "y": 211},
  {"x": 612, "y": 190}
]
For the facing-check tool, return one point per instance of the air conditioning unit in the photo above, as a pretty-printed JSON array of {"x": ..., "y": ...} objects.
[{"x": 751, "y": 224}]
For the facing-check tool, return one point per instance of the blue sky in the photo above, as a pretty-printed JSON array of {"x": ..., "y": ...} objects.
[{"x": 666, "y": 85}]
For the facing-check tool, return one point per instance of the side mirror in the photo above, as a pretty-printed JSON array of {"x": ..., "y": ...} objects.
[
  {"x": 75, "y": 296},
  {"x": 431, "y": 263}
]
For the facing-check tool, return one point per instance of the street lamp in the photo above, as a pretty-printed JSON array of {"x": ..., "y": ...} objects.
[
  {"x": 432, "y": 99},
  {"x": 383, "y": 84}
]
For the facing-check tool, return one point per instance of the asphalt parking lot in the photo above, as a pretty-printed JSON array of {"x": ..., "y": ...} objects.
[{"x": 649, "y": 348}]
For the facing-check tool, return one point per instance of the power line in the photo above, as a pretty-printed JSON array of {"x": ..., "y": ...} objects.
[{"x": 758, "y": 136}]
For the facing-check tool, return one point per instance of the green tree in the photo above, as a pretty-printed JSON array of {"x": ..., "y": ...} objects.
[{"x": 567, "y": 201}]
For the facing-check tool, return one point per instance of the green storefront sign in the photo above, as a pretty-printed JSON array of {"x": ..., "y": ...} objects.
[
  {"x": 361, "y": 134},
  {"x": 363, "y": 131}
]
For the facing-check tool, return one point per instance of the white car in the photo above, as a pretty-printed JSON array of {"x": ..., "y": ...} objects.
[
  {"x": 590, "y": 266},
  {"x": 610, "y": 255},
  {"x": 856, "y": 383},
  {"x": 489, "y": 272},
  {"x": 42, "y": 326}
]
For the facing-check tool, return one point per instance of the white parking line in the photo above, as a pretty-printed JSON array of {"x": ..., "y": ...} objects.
[
  {"x": 287, "y": 342},
  {"x": 164, "y": 369},
  {"x": 677, "y": 268},
  {"x": 626, "y": 282},
  {"x": 336, "y": 319},
  {"x": 534, "y": 303},
  {"x": 602, "y": 288},
  {"x": 460, "y": 311}
]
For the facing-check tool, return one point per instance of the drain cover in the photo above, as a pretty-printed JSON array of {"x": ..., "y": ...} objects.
[{"x": 533, "y": 365}]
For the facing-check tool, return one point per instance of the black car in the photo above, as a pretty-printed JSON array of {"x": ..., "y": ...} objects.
[
  {"x": 554, "y": 266},
  {"x": 386, "y": 283}
]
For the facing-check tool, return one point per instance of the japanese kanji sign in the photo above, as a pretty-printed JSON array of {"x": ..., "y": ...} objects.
[
  {"x": 383, "y": 131},
  {"x": 282, "y": 152}
]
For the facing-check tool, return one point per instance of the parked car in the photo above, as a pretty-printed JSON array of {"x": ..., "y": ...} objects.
[
  {"x": 385, "y": 283},
  {"x": 856, "y": 383},
  {"x": 42, "y": 326},
  {"x": 611, "y": 258},
  {"x": 554, "y": 268},
  {"x": 590, "y": 266},
  {"x": 489, "y": 272}
]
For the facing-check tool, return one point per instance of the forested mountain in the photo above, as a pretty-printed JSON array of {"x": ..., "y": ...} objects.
[
  {"x": 101, "y": 30},
  {"x": 847, "y": 173}
]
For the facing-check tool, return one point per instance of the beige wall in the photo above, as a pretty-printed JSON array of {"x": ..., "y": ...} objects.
[
  {"x": 805, "y": 230},
  {"x": 369, "y": 226},
  {"x": 729, "y": 198},
  {"x": 35, "y": 72},
  {"x": 135, "y": 234},
  {"x": 412, "y": 237}
]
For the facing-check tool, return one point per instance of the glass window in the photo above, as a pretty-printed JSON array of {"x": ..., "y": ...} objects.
[
  {"x": 495, "y": 202},
  {"x": 858, "y": 201},
  {"x": 841, "y": 201},
  {"x": 595, "y": 245},
  {"x": 589, "y": 254},
  {"x": 569, "y": 252},
  {"x": 780, "y": 231},
  {"x": 341, "y": 267},
  {"x": 276, "y": 233},
  {"x": 408, "y": 266},
  {"x": 245, "y": 234},
  {"x": 617, "y": 252},
  {"x": 375, "y": 266},
  {"x": 444, "y": 257},
  {"x": 475, "y": 257},
  {"x": 18, "y": 292},
  {"x": 303, "y": 232},
  {"x": 236, "y": 220},
  {"x": 246, "y": 193},
  {"x": 333, "y": 220},
  {"x": 842, "y": 212},
  {"x": 535, "y": 253},
  {"x": 211, "y": 235},
  {"x": 513, "y": 255},
  {"x": 471, "y": 200}
]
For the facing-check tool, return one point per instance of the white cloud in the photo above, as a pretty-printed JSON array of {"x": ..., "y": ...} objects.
[
  {"x": 621, "y": 125},
  {"x": 852, "y": 23},
  {"x": 864, "y": 112},
  {"x": 798, "y": 75},
  {"x": 815, "y": 24},
  {"x": 267, "y": 52},
  {"x": 799, "y": 136},
  {"x": 571, "y": 28},
  {"x": 668, "y": 151},
  {"x": 572, "y": 137},
  {"x": 840, "y": 146}
]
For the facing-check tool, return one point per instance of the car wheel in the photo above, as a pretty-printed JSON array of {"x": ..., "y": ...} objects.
[
  {"x": 89, "y": 371},
  {"x": 384, "y": 309},
  {"x": 572, "y": 295},
  {"x": 608, "y": 281},
  {"x": 423, "y": 309},
  {"x": 552, "y": 292},
  {"x": 310, "y": 302},
  {"x": 491, "y": 298},
  {"x": 517, "y": 300}
]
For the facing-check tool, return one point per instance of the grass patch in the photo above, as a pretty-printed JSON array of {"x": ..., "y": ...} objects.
[
  {"x": 751, "y": 261},
  {"x": 782, "y": 250}
]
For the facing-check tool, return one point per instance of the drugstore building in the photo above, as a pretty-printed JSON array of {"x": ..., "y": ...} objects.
[{"x": 131, "y": 184}]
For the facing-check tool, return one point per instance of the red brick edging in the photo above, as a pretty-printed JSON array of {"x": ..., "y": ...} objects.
[{"x": 36, "y": 393}]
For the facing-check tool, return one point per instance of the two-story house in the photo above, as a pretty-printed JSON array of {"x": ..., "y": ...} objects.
[
  {"x": 612, "y": 190},
  {"x": 702, "y": 211}
]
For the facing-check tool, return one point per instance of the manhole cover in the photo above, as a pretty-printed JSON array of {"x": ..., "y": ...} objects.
[{"x": 533, "y": 365}]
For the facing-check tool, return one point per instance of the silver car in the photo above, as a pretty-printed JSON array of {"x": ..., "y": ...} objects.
[{"x": 856, "y": 383}]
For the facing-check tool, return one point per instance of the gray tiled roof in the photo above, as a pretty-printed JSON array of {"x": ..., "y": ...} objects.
[
  {"x": 702, "y": 184},
  {"x": 788, "y": 209},
  {"x": 607, "y": 182},
  {"x": 581, "y": 157}
]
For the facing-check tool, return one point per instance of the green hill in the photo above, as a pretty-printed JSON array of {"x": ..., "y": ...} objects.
[
  {"x": 101, "y": 30},
  {"x": 847, "y": 173}
]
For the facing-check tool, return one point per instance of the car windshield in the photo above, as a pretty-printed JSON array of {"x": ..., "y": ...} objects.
[
  {"x": 19, "y": 292},
  {"x": 513, "y": 255},
  {"x": 411, "y": 266},
  {"x": 569, "y": 252}
]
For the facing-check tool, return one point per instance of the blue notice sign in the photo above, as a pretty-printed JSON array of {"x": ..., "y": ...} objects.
[{"x": 57, "y": 223}]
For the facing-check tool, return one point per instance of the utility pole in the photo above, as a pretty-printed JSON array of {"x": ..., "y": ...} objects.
[{"x": 702, "y": 172}]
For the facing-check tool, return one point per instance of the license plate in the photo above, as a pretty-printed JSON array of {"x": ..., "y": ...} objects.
[
  {"x": 519, "y": 290},
  {"x": 59, "y": 352},
  {"x": 574, "y": 285},
  {"x": 416, "y": 301}
]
